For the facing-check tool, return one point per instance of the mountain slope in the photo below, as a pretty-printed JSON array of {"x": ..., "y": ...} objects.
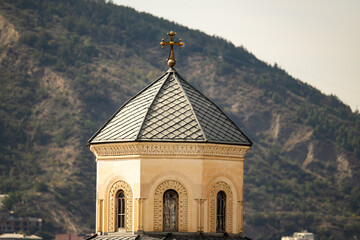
[{"x": 66, "y": 66}]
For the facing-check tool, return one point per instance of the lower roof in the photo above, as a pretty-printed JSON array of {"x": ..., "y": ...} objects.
[{"x": 169, "y": 236}]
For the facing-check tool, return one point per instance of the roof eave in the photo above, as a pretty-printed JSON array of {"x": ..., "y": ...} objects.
[{"x": 171, "y": 141}]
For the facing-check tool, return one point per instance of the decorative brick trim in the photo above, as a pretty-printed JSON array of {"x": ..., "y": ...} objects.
[
  {"x": 158, "y": 205},
  {"x": 128, "y": 149},
  {"x": 221, "y": 186},
  {"x": 120, "y": 185}
]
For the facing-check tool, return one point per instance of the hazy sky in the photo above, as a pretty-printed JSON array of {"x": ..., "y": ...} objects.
[{"x": 316, "y": 41}]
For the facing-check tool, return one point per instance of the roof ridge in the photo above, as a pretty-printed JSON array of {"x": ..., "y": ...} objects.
[
  {"x": 122, "y": 106},
  {"x": 233, "y": 123},
  {"x": 193, "y": 110},
  {"x": 149, "y": 106}
]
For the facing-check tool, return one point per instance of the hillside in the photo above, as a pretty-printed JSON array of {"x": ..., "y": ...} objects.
[{"x": 67, "y": 66}]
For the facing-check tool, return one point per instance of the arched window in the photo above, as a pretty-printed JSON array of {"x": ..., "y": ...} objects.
[
  {"x": 220, "y": 211},
  {"x": 120, "y": 209},
  {"x": 171, "y": 206}
]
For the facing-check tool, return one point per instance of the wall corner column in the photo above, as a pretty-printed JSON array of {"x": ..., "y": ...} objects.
[
  {"x": 241, "y": 217},
  {"x": 99, "y": 215},
  {"x": 140, "y": 222},
  {"x": 200, "y": 214}
]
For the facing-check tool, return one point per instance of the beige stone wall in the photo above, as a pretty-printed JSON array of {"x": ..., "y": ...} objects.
[{"x": 196, "y": 171}]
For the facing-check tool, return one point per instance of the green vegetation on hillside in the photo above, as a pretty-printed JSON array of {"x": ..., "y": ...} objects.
[{"x": 76, "y": 61}]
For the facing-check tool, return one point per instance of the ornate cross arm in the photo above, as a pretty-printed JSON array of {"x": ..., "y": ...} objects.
[{"x": 171, "y": 60}]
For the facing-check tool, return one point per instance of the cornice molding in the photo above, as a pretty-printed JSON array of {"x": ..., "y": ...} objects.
[{"x": 121, "y": 150}]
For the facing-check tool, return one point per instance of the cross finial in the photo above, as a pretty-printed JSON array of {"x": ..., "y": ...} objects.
[{"x": 171, "y": 60}]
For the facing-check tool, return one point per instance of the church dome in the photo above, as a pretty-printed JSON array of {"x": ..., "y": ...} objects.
[{"x": 170, "y": 110}]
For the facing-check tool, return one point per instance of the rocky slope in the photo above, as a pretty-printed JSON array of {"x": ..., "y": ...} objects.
[{"x": 66, "y": 66}]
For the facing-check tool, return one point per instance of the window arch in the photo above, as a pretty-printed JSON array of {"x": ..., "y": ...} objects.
[
  {"x": 159, "y": 205},
  {"x": 220, "y": 211},
  {"x": 171, "y": 211},
  {"x": 114, "y": 192},
  {"x": 228, "y": 207},
  {"x": 121, "y": 206}
]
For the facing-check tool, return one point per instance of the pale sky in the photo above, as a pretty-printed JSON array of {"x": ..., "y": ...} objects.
[{"x": 316, "y": 41}]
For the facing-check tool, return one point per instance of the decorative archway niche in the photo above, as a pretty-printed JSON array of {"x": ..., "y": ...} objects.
[
  {"x": 115, "y": 188},
  {"x": 183, "y": 205},
  {"x": 221, "y": 186}
]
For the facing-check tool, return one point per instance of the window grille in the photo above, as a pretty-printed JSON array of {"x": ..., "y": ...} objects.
[
  {"x": 121, "y": 209},
  {"x": 220, "y": 212}
]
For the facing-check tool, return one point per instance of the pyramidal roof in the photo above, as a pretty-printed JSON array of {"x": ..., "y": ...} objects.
[{"x": 170, "y": 110}]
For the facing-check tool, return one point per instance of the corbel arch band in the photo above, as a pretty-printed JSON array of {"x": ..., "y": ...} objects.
[
  {"x": 183, "y": 204},
  {"x": 120, "y": 185},
  {"x": 221, "y": 186}
]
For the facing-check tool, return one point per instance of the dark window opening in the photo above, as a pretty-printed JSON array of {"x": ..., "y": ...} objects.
[
  {"x": 220, "y": 211},
  {"x": 121, "y": 209},
  {"x": 171, "y": 206}
]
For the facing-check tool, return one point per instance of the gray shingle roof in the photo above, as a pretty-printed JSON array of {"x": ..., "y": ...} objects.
[
  {"x": 170, "y": 109},
  {"x": 116, "y": 237}
]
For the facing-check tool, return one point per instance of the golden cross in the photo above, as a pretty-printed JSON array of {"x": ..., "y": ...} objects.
[{"x": 171, "y": 60}]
